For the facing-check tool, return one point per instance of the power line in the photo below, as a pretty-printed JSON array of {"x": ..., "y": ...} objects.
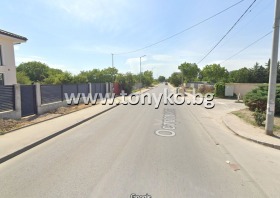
[
  {"x": 247, "y": 47},
  {"x": 228, "y": 31},
  {"x": 248, "y": 22},
  {"x": 178, "y": 33}
]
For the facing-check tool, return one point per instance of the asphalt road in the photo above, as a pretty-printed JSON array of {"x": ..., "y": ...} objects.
[{"x": 119, "y": 153}]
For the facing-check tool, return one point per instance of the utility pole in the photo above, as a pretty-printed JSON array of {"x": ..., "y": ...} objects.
[
  {"x": 112, "y": 60},
  {"x": 273, "y": 73},
  {"x": 141, "y": 73},
  {"x": 183, "y": 83}
]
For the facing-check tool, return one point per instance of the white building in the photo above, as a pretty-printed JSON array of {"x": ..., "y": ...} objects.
[{"x": 7, "y": 57}]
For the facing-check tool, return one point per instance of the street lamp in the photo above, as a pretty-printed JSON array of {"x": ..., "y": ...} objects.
[
  {"x": 113, "y": 60},
  {"x": 141, "y": 73}
]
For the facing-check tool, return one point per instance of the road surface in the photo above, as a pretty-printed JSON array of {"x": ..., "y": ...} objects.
[{"x": 122, "y": 152}]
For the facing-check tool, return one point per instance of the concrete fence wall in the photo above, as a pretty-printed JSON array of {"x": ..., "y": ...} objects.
[
  {"x": 239, "y": 88},
  {"x": 44, "y": 108},
  {"x": 16, "y": 113},
  {"x": 196, "y": 85}
]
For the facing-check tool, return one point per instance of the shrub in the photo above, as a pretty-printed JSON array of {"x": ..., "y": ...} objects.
[
  {"x": 205, "y": 89},
  {"x": 220, "y": 89},
  {"x": 257, "y": 99},
  {"x": 259, "y": 117}
]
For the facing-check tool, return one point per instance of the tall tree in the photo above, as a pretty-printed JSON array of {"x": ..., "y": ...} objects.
[
  {"x": 175, "y": 79},
  {"x": 242, "y": 75},
  {"x": 109, "y": 74},
  {"x": 59, "y": 78},
  {"x": 161, "y": 78},
  {"x": 190, "y": 71},
  {"x": 147, "y": 78},
  {"x": 259, "y": 73},
  {"x": 214, "y": 73},
  {"x": 36, "y": 71},
  {"x": 23, "y": 79},
  {"x": 126, "y": 81}
]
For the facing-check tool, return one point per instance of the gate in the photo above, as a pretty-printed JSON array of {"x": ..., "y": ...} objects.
[{"x": 28, "y": 100}]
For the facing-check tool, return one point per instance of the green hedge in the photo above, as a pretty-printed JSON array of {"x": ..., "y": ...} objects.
[
  {"x": 220, "y": 89},
  {"x": 257, "y": 99}
]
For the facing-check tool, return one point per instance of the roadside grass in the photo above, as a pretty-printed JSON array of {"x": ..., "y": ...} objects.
[
  {"x": 155, "y": 84},
  {"x": 143, "y": 88},
  {"x": 136, "y": 90},
  {"x": 8, "y": 125},
  {"x": 247, "y": 116},
  {"x": 189, "y": 90}
]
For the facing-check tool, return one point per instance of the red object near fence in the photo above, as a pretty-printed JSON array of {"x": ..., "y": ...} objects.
[{"x": 117, "y": 88}]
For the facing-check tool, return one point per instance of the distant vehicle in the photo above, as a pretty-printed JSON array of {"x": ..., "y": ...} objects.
[{"x": 166, "y": 83}]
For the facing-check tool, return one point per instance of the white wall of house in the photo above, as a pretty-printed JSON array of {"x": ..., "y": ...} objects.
[{"x": 8, "y": 67}]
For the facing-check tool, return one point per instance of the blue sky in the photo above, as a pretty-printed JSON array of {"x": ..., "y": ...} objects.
[{"x": 81, "y": 35}]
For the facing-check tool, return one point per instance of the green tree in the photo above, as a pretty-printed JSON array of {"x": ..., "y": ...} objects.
[
  {"x": 93, "y": 76},
  {"x": 59, "y": 78},
  {"x": 82, "y": 77},
  {"x": 36, "y": 71},
  {"x": 189, "y": 70},
  {"x": 109, "y": 74},
  {"x": 147, "y": 78},
  {"x": 214, "y": 73},
  {"x": 161, "y": 78},
  {"x": 243, "y": 75},
  {"x": 23, "y": 79},
  {"x": 268, "y": 70},
  {"x": 126, "y": 81},
  {"x": 52, "y": 71},
  {"x": 175, "y": 79},
  {"x": 259, "y": 73}
]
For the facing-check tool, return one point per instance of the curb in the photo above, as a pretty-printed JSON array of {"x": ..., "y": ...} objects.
[
  {"x": 20, "y": 151},
  {"x": 24, "y": 149},
  {"x": 11, "y": 131},
  {"x": 250, "y": 139}
]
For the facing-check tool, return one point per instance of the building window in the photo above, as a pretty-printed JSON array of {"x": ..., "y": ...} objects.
[
  {"x": 1, "y": 58},
  {"x": 1, "y": 79}
]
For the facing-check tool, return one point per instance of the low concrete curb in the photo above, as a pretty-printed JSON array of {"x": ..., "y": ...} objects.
[
  {"x": 228, "y": 125},
  {"x": 20, "y": 151},
  {"x": 11, "y": 131},
  {"x": 34, "y": 144}
]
